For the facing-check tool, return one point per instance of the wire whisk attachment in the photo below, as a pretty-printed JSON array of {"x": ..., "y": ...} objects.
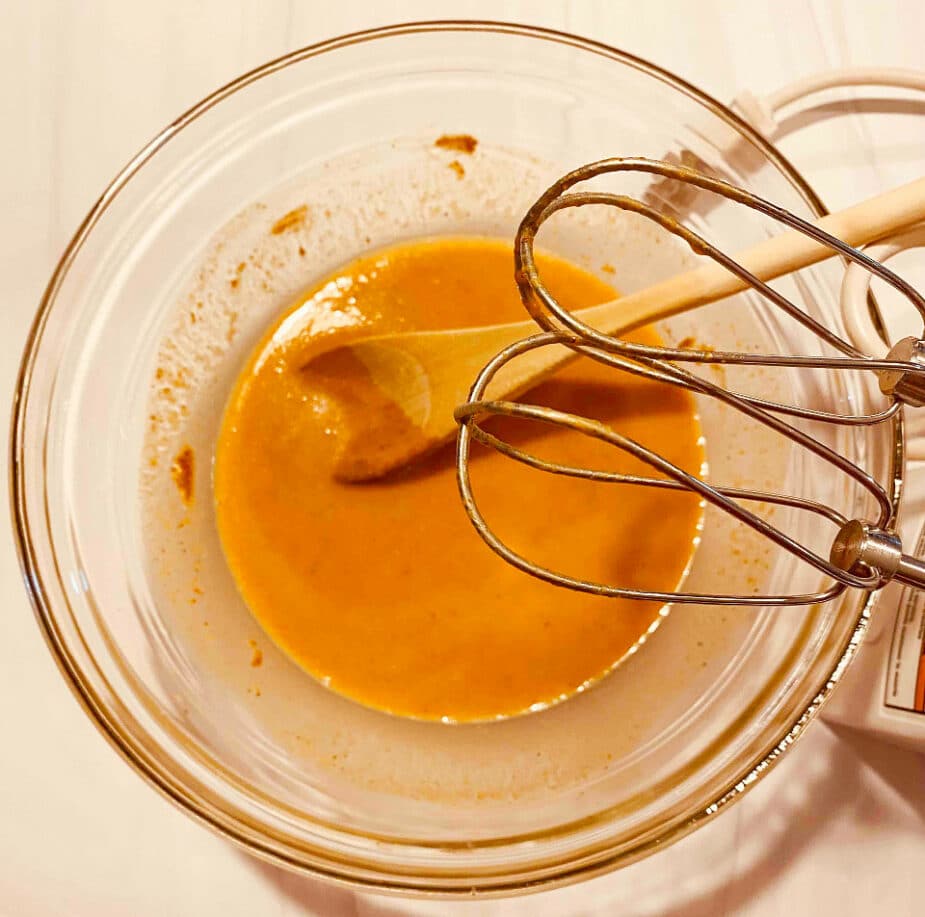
[{"x": 865, "y": 554}]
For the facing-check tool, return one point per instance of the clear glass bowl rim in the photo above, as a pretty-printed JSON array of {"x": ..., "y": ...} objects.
[{"x": 70, "y": 668}]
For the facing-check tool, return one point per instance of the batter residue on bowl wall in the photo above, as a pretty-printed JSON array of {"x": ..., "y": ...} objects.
[{"x": 382, "y": 590}]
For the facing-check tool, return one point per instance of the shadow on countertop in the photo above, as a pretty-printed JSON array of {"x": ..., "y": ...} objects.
[{"x": 772, "y": 829}]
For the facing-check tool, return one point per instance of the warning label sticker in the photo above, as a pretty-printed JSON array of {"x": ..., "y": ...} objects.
[{"x": 905, "y": 675}]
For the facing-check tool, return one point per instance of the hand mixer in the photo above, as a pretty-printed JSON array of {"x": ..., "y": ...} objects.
[{"x": 865, "y": 553}]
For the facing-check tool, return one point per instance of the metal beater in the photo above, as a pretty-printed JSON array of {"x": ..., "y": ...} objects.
[{"x": 865, "y": 554}]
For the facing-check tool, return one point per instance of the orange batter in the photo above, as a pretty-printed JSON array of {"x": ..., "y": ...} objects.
[{"x": 383, "y": 590}]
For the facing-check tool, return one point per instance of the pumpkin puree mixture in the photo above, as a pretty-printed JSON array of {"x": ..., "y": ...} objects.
[{"x": 382, "y": 590}]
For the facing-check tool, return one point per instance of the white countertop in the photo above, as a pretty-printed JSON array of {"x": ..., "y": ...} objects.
[{"x": 837, "y": 828}]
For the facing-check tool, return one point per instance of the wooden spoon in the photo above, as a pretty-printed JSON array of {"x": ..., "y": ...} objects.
[{"x": 422, "y": 376}]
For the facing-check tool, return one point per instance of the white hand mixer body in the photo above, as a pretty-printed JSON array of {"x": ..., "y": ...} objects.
[{"x": 883, "y": 692}]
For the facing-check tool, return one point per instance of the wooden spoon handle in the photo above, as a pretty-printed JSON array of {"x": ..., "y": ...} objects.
[{"x": 858, "y": 225}]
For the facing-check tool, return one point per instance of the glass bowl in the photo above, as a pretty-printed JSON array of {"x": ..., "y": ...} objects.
[{"x": 197, "y": 245}]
